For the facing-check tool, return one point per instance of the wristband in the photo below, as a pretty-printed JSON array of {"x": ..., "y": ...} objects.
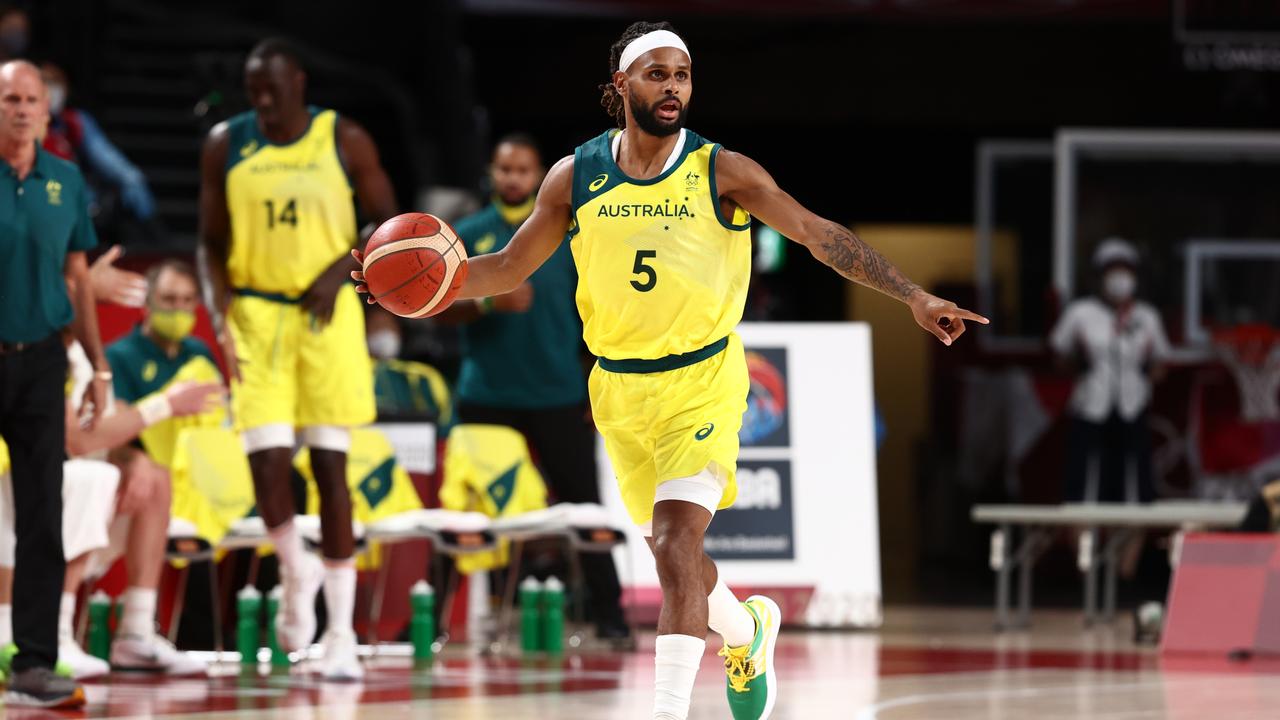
[
  {"x": 102, "y": 375},
  {"x": 154, "y": 409}
]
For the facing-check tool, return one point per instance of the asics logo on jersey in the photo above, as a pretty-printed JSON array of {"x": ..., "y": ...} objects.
[
  {"x": 598, "y": 183},
  {"x": 704, "y": 431}
]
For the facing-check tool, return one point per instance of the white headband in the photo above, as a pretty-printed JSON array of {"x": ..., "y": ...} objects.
[{"x": 650, "y": 41}]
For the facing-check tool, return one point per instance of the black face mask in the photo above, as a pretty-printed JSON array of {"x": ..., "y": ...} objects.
[
  {"x": 647, "y": 117},
  {"x": 13, "y": 42}
]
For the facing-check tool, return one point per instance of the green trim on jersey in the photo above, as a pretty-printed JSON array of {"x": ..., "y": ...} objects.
[
  {"x": 715, "y": 195},
  {"x": 244, "y": 138}
]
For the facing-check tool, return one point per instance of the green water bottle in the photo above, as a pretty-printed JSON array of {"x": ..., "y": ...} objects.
[
  {"x": 279, "y": 658},
  {"x": 530, "y": 615},
  {"x": 99, "y": 618},
  {"x": 422, "y": 625},
  {"x": 553, "y": 616},
  {"x": 248, "y": 607}
]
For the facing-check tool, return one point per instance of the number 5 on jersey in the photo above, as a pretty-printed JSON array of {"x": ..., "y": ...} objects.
[{"x": 647, "y": 270}]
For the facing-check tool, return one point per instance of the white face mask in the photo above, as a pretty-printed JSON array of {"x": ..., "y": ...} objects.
[
  {"x": 1119, "y": 285},
  {"x": 57, "y": 98},
  {"x": 384, "y": 345}
]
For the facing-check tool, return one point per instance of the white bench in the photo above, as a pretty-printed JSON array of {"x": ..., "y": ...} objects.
[{"x": 1035, "y": 524}]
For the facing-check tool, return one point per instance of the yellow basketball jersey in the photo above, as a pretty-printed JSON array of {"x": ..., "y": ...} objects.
[
  {"x": 291, "y": 207},
  {"x": 660, "y": 271}
]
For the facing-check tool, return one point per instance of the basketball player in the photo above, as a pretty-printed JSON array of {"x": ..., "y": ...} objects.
[
  {"x": 658, "y": 220},
  {"x": 276, "y": 223}
]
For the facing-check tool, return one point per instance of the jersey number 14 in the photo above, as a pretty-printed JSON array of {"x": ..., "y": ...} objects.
[{"x": 288, "y": 214}]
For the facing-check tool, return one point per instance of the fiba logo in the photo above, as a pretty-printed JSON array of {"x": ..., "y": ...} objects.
[
  {"x": 758, "y": 489},
  {"x": 767, "y": 399}
]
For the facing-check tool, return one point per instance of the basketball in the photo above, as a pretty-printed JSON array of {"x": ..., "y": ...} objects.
[{"x": 414, "y": 265}]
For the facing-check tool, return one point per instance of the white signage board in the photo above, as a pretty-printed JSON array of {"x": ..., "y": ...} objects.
[{"x": 806, "y": 514}]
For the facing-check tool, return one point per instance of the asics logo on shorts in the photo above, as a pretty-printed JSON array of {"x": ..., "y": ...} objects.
[
  {"x": 598, "y": 183},
  {"x": 704, "y": 431}
]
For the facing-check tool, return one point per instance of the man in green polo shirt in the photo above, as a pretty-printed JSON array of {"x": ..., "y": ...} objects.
[
  {"x": 521, "y": 360},
  {"x": 44, "y": 232}
]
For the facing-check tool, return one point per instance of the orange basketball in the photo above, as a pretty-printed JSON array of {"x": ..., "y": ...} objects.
[{"x": 414, "y": 265}]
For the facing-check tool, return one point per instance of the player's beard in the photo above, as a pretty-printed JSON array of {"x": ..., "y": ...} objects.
[{"x": 647, "y": 117}]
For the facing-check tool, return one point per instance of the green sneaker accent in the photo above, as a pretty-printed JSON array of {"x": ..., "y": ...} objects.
[
  {"x": 6, "y": 663},
  {"x": 6, "y": 657},
  {"x": 751, "y": 681}
]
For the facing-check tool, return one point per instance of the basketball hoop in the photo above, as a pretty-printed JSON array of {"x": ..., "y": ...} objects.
[{"x": 1252, "y": 353}]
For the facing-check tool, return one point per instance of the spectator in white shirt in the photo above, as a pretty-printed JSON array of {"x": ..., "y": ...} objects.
[{"x": 1116, "y": 342}]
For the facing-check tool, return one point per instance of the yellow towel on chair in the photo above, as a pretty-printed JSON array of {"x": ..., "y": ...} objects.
[{"x": 487, "y": 469}]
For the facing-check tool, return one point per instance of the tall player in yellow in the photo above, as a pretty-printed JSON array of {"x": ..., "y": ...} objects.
[
  {"x": 657, "y": 218},
  {"x": 276, "y": 224}
]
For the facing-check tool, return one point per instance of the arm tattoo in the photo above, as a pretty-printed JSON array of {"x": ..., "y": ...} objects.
[{"x": 851, "y": 257}]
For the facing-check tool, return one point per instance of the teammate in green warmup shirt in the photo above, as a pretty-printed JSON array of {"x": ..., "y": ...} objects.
[{"x": 521, "y": 361}]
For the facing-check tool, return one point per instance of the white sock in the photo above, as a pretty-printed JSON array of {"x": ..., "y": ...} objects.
[
  {"x": 6, "y": 624},
  {"x": 340, "y": 593},
  {"x": 676, "y": 663},
  {"x": 139, "y": 612},
  {"x": 288, "y": 545},
  {"x": 66, "y": 616},
  {"x": 726, "y": 616}
]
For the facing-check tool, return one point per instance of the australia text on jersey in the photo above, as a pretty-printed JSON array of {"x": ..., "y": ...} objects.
[{"x": 644, "y": 210}]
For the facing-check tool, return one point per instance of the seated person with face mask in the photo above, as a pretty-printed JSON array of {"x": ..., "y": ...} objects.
[{"x": 1116, "y": 344}]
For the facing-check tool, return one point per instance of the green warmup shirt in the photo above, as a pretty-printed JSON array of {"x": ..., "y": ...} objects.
[
  {"x": 139, "y": 368},
  {"x": 42, "y": 218},
  {"x": 523, "y": 360}
]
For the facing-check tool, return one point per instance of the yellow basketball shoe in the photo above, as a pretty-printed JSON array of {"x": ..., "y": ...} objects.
[{"x": 753, "y": 685}]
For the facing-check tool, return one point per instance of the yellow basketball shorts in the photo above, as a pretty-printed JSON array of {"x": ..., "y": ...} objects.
[
  {"x": 294, "y": 372},
  {"x": 665, "y": 425}
]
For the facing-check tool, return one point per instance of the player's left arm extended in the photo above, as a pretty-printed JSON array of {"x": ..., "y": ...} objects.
[
  {"x": 745, "y": 182},
  {"x": 377, "y": 203}
]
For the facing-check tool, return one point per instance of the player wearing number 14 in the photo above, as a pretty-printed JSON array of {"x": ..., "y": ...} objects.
[{"x": 277, "y": 222}]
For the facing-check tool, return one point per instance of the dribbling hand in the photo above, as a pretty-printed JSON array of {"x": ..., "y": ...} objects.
[{"x": 358, "y": 276}]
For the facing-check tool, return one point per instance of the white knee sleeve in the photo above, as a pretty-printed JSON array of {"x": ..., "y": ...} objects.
[
  {"x": 267, "y": 437},
  {"x": 704, "y": 489},
  {"x": 327, "y": 437}
]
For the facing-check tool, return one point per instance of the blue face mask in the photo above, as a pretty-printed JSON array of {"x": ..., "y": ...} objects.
[{"x": 13, "y": 42}]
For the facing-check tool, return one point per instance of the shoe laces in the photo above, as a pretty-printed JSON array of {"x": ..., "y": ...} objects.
[{"x": 738, "y": 666}]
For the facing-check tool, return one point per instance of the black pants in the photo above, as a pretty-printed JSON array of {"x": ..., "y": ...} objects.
[
  {"x": 565, "y": 443},
  {"x": 1103, "y": 458},
  {"x": 32, "y": 410}
]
